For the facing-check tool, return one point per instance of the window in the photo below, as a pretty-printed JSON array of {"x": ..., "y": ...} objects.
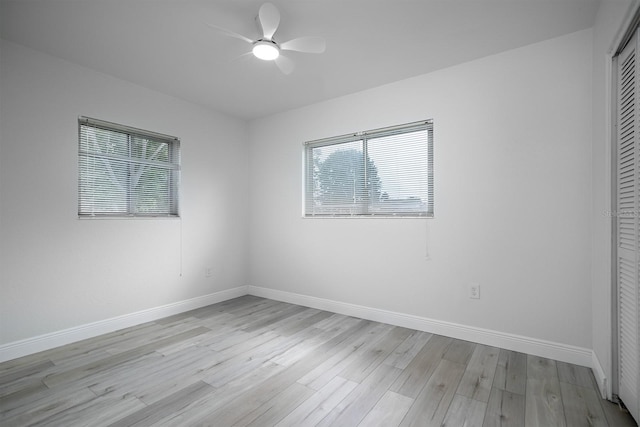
[
  {"x": 383, "y": 172},
  {"x": 125, "y": 171}
]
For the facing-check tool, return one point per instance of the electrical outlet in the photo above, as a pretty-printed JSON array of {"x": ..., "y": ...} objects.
[
  {"x": 208, "y": 272},
  {"x": 474, "y": 291}
]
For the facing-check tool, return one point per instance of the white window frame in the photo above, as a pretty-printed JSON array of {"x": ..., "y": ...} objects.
[
  {"x": 310, "y": 209},
  {"x": 172, "y": 165}
]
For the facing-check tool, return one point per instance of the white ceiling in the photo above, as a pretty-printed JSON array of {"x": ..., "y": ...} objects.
[{"x": 165, "y": 45}]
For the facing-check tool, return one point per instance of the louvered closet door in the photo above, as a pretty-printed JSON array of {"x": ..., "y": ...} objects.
[{"x": 628, "y": 226}]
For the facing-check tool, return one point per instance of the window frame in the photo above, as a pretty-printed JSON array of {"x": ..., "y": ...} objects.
[
  {"x": 173, "y": 165},
  {"x": 365, "y": 136}
]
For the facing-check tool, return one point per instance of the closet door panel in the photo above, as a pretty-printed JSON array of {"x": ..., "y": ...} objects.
[{"x": 628, "y": 226}]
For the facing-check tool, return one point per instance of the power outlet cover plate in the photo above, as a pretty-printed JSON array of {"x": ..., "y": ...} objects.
[{"x": 474, "y": 291}]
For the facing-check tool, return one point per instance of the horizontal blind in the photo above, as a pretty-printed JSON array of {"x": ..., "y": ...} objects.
[
  {"x": 337, "y": 179},
  {"x": 383, "y": 172},
  {"x": 126, "y": 171}
]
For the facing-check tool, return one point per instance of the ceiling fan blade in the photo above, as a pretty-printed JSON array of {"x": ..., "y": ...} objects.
[
  {"x": 285, "y": 64},
  {"x": 268, "y": 20},
  {"x": 230, "y": 33},
  {"x": 305, "y": 44}
]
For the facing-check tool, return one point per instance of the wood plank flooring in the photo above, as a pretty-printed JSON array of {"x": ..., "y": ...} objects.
[{"x": 256, "y": 362}]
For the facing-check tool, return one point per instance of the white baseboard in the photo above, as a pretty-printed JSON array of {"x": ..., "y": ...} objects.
[
  {"x": 604, "y": 385},
  {"x": 552, "y": 350},
  {"x": 28, "y": 346}
]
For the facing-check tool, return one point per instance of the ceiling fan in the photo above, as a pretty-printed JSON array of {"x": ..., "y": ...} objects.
[{"x": 267, "y": 49}]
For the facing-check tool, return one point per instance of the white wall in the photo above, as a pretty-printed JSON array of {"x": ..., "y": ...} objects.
[
  {"x": 60, "y": 272},
  {"x": 512, "y": 201},
  {"x": 609, "y": 21}
]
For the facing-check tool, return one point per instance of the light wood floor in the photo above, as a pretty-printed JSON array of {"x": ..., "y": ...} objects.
[{"x": 254, "y": 361}]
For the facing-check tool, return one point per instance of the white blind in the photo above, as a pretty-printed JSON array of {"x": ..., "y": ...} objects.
[
  {"x": 125, "y": 171},
  {"x": 383, "y": 172}
]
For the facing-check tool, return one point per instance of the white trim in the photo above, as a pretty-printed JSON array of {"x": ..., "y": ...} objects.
[
  {"x": 552, "y": 350},
  {"x": 604, "y": 385},
  {"x": 39, "y": 343}
]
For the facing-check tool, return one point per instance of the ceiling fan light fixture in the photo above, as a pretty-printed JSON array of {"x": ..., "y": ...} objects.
[{"x": 266, "y": 50}]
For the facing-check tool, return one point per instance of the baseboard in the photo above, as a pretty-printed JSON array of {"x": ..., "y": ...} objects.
[
  {"x": 28, "y": 346},
  {"x": 601, "y": 378},
  {"x": 552, "y": 350}
]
